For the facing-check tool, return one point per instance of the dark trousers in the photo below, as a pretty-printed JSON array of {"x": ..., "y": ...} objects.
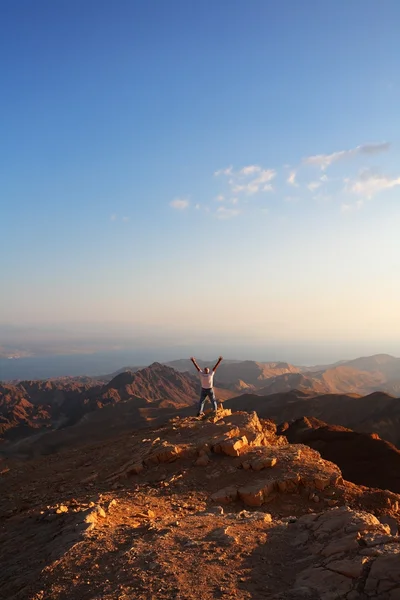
[{"x": 207, "y": 393}]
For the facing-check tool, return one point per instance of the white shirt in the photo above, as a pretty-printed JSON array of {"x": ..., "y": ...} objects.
[{"x": 206, "y": 379}]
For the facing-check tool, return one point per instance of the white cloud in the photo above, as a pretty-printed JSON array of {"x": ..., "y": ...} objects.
[
  {"x": 325, "y": 160},
  {"x": 234, "y": 200},
  {"x": 291, "y": 199},
  {"x": 113, "y": 217},
  {"x": 291, "y": 180},
  {"x": 227, "y": 213},
  {"x": 220, "y": 198},
  {"x": 266, "y": 175},
  {"x": 227, "y": 171},
  {"x": 313, "y": 185},
  {"x": 179, "y": 203},
  {"x": 255, "y": 185},
  {"x": 369, "y": 183},
  {"x": 125, "y": 219},
  {"x": 198, "y": 206},
  {"x": 249, "y": 170}
]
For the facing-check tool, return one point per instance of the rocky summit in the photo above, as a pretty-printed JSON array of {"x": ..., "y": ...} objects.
[{"x": 199, "y": 508}]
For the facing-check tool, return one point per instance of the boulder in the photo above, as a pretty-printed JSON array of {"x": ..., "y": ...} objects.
[
  {"x": 225, "y": 496},
  {"x": 263, "y": 463},
  {"x": 233, "y": 446},
  {"x": 252, "y": 495}
]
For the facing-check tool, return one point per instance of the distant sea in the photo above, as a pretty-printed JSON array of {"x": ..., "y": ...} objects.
[{"x": 101, "y": 363}]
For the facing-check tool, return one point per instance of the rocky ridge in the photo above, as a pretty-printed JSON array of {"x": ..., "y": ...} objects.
[{"x": 264, "y": 519}]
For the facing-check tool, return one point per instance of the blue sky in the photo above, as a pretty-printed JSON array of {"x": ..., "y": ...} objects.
[{"x": 227, "y": 167}]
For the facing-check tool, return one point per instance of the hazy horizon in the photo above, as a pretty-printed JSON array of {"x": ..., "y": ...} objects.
[
  {"x": 221, "y": 176},
  {"x": 55, "y": 351}
]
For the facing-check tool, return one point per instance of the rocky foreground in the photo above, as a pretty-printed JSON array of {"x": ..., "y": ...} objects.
[{"x": 200, "y": 508}]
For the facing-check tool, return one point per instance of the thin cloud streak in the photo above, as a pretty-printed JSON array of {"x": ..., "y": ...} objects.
[{"x": 325, "y": 160}]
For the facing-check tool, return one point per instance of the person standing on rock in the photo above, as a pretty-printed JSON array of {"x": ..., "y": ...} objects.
[{"x": 207, "y": 382}]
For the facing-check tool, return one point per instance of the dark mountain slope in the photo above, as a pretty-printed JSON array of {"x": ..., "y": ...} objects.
[
  {"x": 363, "y": 458},
  {"x": 377, "y": 412}
]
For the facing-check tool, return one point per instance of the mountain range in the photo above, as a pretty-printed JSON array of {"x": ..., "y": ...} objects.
[
  {"x": 363, "y": 375},
  {"x": 360, "y": 394}
]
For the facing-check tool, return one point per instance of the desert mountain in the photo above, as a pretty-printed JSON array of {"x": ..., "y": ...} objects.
[
  {"x": 31, "y": 406},
  {"x": 156, "y": 382},
  {"x": 231, "y": 372},
  {"x": 377, "y": 412},
  {"x": 377, "y": 362},
  {"x": 195, "y": 509},
  {"x": 292, "y": 381},
  {"x": 336, "y": 380},
  {"x": 382, "y": 366},
  {"x": 363, "y": 458},
  {"x": 19, "y": 416},
  {"x": 384, "y": 363},
  {"x": 362, "y": 376}
]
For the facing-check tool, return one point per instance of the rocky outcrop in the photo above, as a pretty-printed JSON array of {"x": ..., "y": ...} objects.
[
  {"x": 197, "y": 508},
  {"x": 355, "y": 556},
  {"x": 235, "y": 435},
  {"x": 378, "y": 412}
]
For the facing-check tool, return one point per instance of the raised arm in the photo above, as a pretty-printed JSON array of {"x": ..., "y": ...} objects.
[
  {"x": 192, "y": 358},
  {"x": 217, "y": 363}
]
